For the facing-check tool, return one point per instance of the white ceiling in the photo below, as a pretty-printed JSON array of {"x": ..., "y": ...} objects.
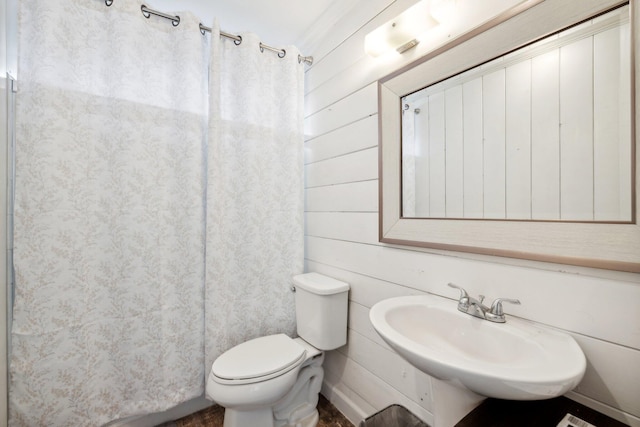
[{"x": 278, "y": 22}]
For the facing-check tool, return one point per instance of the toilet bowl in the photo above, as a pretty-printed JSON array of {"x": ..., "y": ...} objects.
[
  {"x": 278, "y": 397},
  {"x": 274, "y": 381}
]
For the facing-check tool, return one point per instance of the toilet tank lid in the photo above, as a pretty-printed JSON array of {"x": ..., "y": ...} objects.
[{"x": 320, "y": 284}]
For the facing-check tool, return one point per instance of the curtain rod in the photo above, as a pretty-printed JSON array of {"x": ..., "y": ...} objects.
[
  {"x": 175, "y": 20},
  {"x": 237, "y": 40}
]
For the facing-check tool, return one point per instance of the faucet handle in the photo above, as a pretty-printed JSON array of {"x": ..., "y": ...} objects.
[
  {"x": 463, "y": 293},
  {"x": 496, "y": 306},
  {"x": 463, "y": 302}
]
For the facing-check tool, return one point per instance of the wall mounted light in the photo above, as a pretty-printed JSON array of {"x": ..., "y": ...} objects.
[{"x": 401, "y": 33}]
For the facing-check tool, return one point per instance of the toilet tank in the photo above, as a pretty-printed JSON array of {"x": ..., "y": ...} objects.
[{"x": 321, "y": 310}]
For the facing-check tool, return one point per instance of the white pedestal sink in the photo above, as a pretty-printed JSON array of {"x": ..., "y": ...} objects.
[{"x": 515, "y": 360}]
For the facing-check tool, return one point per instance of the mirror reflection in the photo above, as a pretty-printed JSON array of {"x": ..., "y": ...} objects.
[{"x": 542, "y": 133}]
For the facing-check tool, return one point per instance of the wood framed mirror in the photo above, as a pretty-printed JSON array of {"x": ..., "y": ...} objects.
[{"x": 501, "y": 71}]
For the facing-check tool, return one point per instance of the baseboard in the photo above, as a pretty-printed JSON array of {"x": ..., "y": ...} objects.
[
  {"x": 343, "y": 403},
  {"x": 614, "y": 413}
]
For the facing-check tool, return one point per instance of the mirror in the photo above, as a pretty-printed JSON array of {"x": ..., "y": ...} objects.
[
  {"x": 542, "y": 133},
  {"x": 518, "y": 140}
]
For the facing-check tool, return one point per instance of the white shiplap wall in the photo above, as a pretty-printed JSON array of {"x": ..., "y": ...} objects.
[{"x": 600, "y": 309}]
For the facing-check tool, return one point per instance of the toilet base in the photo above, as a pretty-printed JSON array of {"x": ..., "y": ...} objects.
[
  {"x": 299, "y": 407},
  {"x": 296, "y": 409},
  {"x": 262, "y": 417},
  {"x": 310, "y": 420}
]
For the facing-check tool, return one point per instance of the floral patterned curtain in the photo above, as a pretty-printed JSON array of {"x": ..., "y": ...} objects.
[
  {"x": 109, "y": 214},
  {"x": 132, "y": 161},
  {"x": 255, "y": 236}
]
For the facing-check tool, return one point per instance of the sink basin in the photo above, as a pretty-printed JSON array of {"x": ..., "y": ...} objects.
[{"x": 514, "y": 360}]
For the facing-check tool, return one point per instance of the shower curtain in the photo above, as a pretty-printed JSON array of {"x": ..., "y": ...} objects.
[
  {"x": 254, "y": 192},
  {"x": 109, "y": 214},
  {"x": 123, "y": 182}
]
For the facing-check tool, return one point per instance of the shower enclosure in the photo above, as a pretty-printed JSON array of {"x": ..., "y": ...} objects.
[{"x": 158, "y": 207}]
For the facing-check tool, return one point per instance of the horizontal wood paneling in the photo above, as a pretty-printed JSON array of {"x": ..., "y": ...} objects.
[
  {"x": 601, "y": 310},
  {"x": 348, "y": 69},
  {"x": 613, "y": 373},
  {"x": 355, "y": 107},
  {"x": 365, "y": 290},
  {"x": 570, "y": 308},
  {"x": 321, "y": 85},
  {"x": 353, "y": 167},
  {"x": 356, "y": 17},
  {"x": 370, "y": 387},
  {"x": 604, "y": 379},
  {"x": 359, "y": 322},
  {"x": 356, "y": 136},
  {"x": 387, "y": 365},
  {"x": 361, "y": 227},
  {"x": 353, "y": 197}
]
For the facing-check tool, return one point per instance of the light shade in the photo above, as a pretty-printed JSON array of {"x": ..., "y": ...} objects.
[{"x": 402, "y": 32}]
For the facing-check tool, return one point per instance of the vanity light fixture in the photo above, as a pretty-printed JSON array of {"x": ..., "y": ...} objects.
[{"x": 401, "y": 33}]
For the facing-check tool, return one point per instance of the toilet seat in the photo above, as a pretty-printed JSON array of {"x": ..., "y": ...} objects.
[{"x": 258, "y": 360}]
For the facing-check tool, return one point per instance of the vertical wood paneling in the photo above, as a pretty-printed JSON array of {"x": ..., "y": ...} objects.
[
  {"x": 576, "y": 130},
  {"x": 538, "y": 161},
  {"x": 473, "y": 165},
  {"x": 545, "y": 136},
  {"x": 625, "y": 126},
  {"x": 454, "y": 152},
  {"x": 422, "y": 164},
  {"x": 437, "y": 171},
  {"x": 408, "y": 163},
  {"x": 611, "y": 124},
  {"x": 493, "y": 109},
  {"x": 518, "y": 141}
]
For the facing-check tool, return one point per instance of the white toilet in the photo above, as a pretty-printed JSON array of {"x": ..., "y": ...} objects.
[{"x": 274, "y": 381}]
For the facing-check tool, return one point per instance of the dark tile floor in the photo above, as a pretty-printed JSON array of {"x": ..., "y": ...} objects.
[{"x": 214, "y": 416}]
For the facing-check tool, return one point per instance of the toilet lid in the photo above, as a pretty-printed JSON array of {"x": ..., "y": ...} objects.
[{"x": 258, "y": 357}]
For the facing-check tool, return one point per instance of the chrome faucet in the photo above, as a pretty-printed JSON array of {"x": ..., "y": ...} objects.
[{"x": 476, "y": 308}]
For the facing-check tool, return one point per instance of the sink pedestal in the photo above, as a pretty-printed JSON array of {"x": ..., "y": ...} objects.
[{"x": 451, "y": 403}]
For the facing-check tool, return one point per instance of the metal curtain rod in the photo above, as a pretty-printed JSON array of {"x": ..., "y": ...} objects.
[
  {"x": 237, "y": 40},
  {"x": 175, "y": 20}
]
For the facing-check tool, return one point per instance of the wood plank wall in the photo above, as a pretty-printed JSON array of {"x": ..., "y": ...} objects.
[
  {"x": 573, "y": 85},
  {"x": 600, "y": 309}
]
